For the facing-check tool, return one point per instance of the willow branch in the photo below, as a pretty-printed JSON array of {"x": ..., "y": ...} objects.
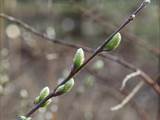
[
  {"x": 99, "y": 20},
  {"x": 145, "y": 77},
  {"x": 122, "y": 62}
]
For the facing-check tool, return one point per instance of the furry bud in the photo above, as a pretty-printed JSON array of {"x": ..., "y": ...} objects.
[
  {"x": 78, "y": 58},
  {"x": 113, "y": 43},
  {"x": 65, "y": 88}
]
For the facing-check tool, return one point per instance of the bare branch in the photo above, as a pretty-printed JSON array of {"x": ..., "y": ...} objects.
[
  {"x": 128, "y": 77},
  {"x": 105, "y": 81},
  {"x": 101, "y": 21},
  {"x": 129, "y": 97},
  {"x": 145, "y": 77},
  {"x": 133, "y": 92}
]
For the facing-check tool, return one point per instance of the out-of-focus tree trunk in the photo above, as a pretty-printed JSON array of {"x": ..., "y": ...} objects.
[
  {"x": 158, "y": 113},
  {"x": 1, "y": 24},
  {"x": 1, "y": 42}
]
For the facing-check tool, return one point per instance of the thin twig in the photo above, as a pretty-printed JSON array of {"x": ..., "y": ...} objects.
[
  {"x": 105, "y": 81},
  {"x": 101, "y": 21},
  {"x": 128, "y": 77},
  {"x": 96, "y": 52},
  {"x": 129, "y": 97}
]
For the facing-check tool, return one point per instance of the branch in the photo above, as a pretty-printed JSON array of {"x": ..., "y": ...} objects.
[
  {"x": 135, "y": 89},
  {"x": 100, "y": 20},
  {"x": 145, "y": 77},
  {"x": 128, "y": 77},
  {"x": 103, "y": 81},
  {"x": 133, "y": 92},
  {"x": 129, "y": 97},
  {"x": 71, "y": 45}
]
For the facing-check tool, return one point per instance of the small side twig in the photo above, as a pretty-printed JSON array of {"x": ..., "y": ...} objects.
[
  {"x": 135, "y": 89},
  {"x": 128, "y": 77},
  {"x": 129, "y": 97},
  {"x": 104, "y": 81}
]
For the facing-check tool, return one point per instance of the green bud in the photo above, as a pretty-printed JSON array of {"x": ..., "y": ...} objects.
[
  {"x": 113, "y": 43},
  {"x": 46, "y": 103},
  {"x": 23, "y": 118},
  {"x": 37, "y": 100},
  {"x": 78, "y": 58},
  {"x": 66, "y": 87},
  {"x": 44, "y": 93}
]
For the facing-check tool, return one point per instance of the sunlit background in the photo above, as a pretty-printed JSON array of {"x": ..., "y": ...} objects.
[{"x": 28, "y": 62}]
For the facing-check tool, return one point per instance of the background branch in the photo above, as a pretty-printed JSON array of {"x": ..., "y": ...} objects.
[
  {"x": 129, "y": 97},
  {"x": 104, "y": 80},
  {"x": 128, "y": 77},
  {"x": 120, "y": 61},
  {"x": 95, "y": 53}
]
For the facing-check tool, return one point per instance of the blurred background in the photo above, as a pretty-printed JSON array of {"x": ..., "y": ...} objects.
[{"x": 28, "y": 62}]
